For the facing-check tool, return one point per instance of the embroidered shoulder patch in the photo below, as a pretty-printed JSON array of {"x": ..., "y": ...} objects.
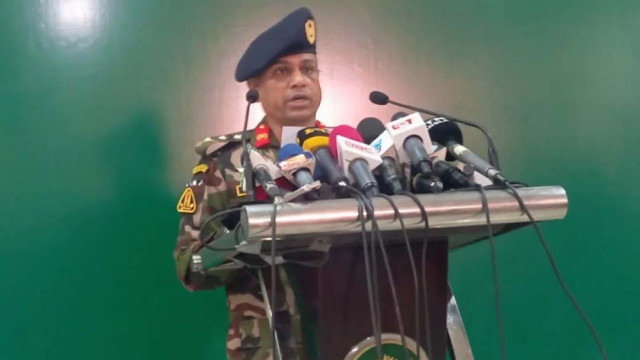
[
  {"x": 202, "y": 168},
  {"x": 187, "y": 203}
]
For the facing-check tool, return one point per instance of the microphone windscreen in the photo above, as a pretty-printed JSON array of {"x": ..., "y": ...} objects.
[
  {"x": 370, "y": 128},
  {"x": 342, "y": 130},
  {"x": 378, "y": 98},
  {"x": 252, "y": 96},
  {"x": 442, "y": 131},
  {"x": 289, "y": 151},
  {"x": 399, "y": 115},
  {"x": 312, "y": 138}
]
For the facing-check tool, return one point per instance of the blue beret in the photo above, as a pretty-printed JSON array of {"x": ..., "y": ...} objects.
[{"x": 294, "y": 34}]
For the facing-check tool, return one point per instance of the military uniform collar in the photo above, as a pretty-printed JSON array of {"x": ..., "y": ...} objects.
[{"x": 262, "y": 136}]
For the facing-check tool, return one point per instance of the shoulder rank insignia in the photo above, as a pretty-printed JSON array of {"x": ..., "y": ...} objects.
[
  {"x": 202, "y": 168},
  {"x": 203, "y": 146},
  {"x": 187, "y": 203}
]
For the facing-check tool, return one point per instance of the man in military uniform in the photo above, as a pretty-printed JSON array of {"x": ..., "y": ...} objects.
[{"x": 281, "y": 65}]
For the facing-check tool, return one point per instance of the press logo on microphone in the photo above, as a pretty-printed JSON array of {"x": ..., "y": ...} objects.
[
  {"x": 308, "y": 131},
  {"x": 399, "y": 124},
  {"x": 435, "y": 121},
  {"x": 377, "y": 144},
  {"x": 294, "y": 162},
  {"x": 359, "y": 146}
]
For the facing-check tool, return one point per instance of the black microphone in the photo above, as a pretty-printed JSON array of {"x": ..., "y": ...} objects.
[
  {"x": 399, "y": 115},
  {"x": 380, "y": 98},
  {"x": 251, "y": 96},
  {"x": 426, "y": 185},
  {"x": 448, "y": 134},
  {"x": 266, "y": 181},
  {"x": 375, "y": 134},
  {"x": 451, "y": 176},
  {"x": 265, "y": 172},
  {"x": 444, "y": 134}
]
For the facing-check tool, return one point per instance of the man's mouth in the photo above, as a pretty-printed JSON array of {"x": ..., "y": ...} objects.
[{"x": 299, "y": 99}]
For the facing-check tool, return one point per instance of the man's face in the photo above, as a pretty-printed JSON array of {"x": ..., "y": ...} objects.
[{"x": 290, "y": 90}]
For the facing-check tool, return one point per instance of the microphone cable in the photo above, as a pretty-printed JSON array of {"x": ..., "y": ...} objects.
[
  {"x": 275, "y": 342},
  {"x": 273, "y": 281},
  {"x": 556, "y": 271},
  {"x": 414, "y": 272},
  {"x": 205, "y": 241},
  {"x": 494, "y": 264},
  {"x": 374, "y": 300},
  {"x": 308, "y": 263},
  {"x": 375, "y": 230},
  {"x": 374, "y": 263},
  {"x": 423, "y": 274},
  {"x": 372, "y": 289}
]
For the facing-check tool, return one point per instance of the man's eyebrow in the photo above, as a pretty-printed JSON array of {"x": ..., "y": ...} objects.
[
  {"x": 281, "y": 62},
  {"x": 287, "y": 62}
]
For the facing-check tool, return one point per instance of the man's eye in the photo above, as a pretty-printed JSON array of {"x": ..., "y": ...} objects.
[
  {"x": 280, "y": 71},
  {"x": 309, "y": 70}
]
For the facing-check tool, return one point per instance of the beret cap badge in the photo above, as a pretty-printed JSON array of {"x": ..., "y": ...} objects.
[{"x": 310, "y": 30}]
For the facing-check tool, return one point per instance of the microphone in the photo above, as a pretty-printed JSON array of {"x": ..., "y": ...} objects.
[
  {"x": 375, "y": 134},
  {"x": 398, "y": 115},
  {"x": 317, "y": 141},
  {"x": 356, "y": 158},
  {"x": 452, "y": 176},
  {"x": 251, "y": 96},
  {"x": 425, "y": 185},
  {"x": 441, "y": 135},
  {"x": 412, "y": 140},
  {"x": 296, "y": 164},
  {"x": 410, "y": 134},
  {"x": 380, "y": 98},
  {"x": 265, "y": 172},
  {"x": 448, "y": 134}
]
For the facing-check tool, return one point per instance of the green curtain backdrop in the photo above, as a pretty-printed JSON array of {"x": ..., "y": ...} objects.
[{"x": 101, "y": 102}]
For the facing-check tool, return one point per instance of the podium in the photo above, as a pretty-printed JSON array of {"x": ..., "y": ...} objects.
[{"x": 336, "y": 293}]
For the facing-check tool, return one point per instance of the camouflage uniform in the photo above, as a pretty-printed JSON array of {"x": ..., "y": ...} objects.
[{"x": 216, "y": 185}]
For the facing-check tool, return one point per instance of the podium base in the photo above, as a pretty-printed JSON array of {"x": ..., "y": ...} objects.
[{"x": 335, "y": 297}]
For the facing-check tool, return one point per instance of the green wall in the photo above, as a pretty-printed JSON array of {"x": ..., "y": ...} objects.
[{"x": 101, "y": 102}]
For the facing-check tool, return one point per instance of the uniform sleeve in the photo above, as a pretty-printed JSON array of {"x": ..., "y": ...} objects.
[{"x": 205, "y": 195}]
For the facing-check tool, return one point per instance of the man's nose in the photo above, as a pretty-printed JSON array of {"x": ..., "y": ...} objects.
[{"x": 298, "y": 78}]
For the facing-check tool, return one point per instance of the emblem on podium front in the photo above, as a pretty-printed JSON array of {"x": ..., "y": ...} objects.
[{"x": 391, "y": 349}]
